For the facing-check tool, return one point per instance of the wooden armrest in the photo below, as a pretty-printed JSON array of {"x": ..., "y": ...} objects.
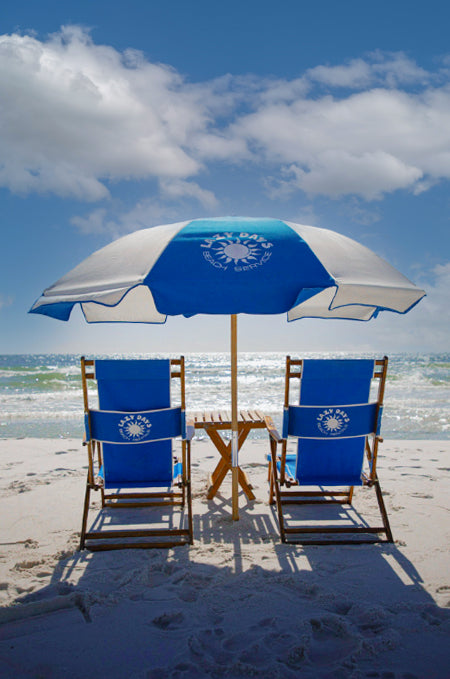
[{"x": 272, "y": 430}]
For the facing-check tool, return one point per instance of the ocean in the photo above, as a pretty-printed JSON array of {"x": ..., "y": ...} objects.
[{"x": 40, "y": 395}]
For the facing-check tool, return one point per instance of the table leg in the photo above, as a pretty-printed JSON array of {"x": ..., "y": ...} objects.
[
  {"x": 225, "y": 462},
  {"x": 224, "y": 465}
]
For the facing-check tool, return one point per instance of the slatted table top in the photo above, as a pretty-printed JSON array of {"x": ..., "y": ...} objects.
[{"x": 221, "y": 419}]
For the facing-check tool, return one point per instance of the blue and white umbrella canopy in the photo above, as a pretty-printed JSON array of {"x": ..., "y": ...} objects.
[{"x": 229, "y": 266}]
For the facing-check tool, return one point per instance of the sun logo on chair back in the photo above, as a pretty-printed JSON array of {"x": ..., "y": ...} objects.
[
  {"x": 134, "y": 427},
  {"x": 244, "y": 251},
  {"x": 333, "y": 421}
]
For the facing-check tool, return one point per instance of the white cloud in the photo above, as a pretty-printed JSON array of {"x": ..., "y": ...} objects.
[
  {"x": 77, "y": 116},
  {"x": 180, "y": 204},
  {"x": 144, "y": 214},
  {"x": 366, "y": 144},
  {"x": 95, "y": 222},
  {"x": 437, "y": 303},
  {"x": 74, "y": 114},
  {"x": 336, "y": 173},
  {"x": 177, "y": 188},
  {"x": 379, "y": 69},
  {"x": 357, "y": 73},
  {"x": 395, "y": 69}
]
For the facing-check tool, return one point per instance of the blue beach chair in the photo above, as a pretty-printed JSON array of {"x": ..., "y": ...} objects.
[
  {"x": 130, "y": 441},
  {"x": 337, "y": 429}
]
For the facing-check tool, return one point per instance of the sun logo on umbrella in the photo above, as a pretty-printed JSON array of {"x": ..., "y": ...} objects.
[
  {"x": 245, "y": 251},
  {"x": 333, "y": 421},
  {"x": 134, "y": 427},
  {"x": 238, "y": 251}
]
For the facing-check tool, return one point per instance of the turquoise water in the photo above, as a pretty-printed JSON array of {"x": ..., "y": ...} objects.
[{"x": 40, "y": 395}]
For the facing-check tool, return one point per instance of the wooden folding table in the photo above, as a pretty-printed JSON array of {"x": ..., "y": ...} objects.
[{"x": 214, "y": 423}]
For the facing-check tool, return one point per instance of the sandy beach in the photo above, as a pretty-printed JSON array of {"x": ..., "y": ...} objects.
[{"x": 237, "y": 603}]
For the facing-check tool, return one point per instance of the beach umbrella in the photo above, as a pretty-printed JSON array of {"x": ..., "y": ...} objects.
[{"x": 230, "y": 265}]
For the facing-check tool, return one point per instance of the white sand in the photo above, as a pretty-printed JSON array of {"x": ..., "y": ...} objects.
[{"x": 237, "y": 603}]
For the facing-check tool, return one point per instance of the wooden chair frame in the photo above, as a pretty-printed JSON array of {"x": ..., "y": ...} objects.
[
  {"x": 181, "y": 496},
  {"x": 280, "y": 485}
]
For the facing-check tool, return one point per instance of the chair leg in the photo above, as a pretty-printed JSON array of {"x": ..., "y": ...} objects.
[
  {"x": 87, "y": 497},
  {"x": 271, "y": 485},
  {"x": 280, "y": 511},
  {"x": 184, "y": 461},
  {"x": 383, "y": 511},
  {"x": 189, "y": 493},
  {"x": 275, "y": 485},
  {"x": 189, "y": 506},
  {"x": 350, "y": 494}
]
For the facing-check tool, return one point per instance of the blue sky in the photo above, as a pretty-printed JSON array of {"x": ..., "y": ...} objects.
[{"x": 117, "y": 116}]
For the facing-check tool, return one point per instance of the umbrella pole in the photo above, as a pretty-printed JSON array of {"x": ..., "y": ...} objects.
[{"x": 234, "y": 421}]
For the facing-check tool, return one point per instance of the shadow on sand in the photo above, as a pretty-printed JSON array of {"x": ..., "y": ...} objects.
[{"x": 237, "y": 603}]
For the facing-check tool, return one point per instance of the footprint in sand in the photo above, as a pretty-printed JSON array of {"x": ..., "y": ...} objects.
[
  {"x": 342, "y": 607},
  {"x": 257, "y": 632},
  {"x": 331, "y": 640},
  {"x": 173, "y": 620},
  {"x": 281, "y": 647},
  {"x": 18, "y": 487},
  {"x": 297, "y": 655},
  {"x": 260, "y": 646},
  {"x": 28, "y": 565},
  {"x": 279, "y": 643},
  {"x": 248, "y": 654},
  {"x": 305, "y": 590},
  {"x": 208, "y": 645},
  {"x": 435, "y": 616},
  {"x": 188, "y": 595},
  {"x": 371, "y": 620},
  {"x": 24, "y": 590},
  {"x": 192, "y": 586}
]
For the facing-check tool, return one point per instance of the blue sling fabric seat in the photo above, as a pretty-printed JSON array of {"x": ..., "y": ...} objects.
[
  {"x": 337, "y": 429},
  {"x": 130, "y": 446}
]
